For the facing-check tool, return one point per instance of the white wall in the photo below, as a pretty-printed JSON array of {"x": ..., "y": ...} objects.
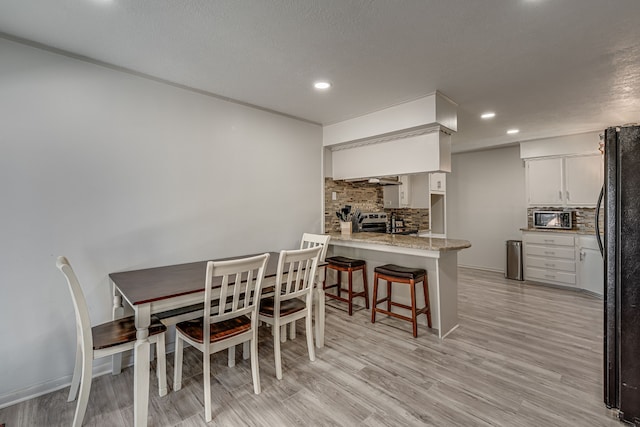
[
  {"x": 118, "y": 172},
  {"x": 582, "y": 143},
  {"x": 486, "y": 204}
]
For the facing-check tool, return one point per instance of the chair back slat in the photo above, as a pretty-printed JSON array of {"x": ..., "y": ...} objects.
[
  {"x": 241, "y": 282},
  {"x": 300, "y": 267},
  {"x": 310, "y": 240}
]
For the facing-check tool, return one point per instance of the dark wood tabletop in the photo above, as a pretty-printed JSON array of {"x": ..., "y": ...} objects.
[{"x": 158, "y": 283}]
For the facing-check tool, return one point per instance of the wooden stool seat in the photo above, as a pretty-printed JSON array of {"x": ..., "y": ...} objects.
[
  {"x": 403, "y": 272},
  {"x": 404, "y": 275},
  {"x": 344, "y": 262},
  {"x": 348, "y": 265}
]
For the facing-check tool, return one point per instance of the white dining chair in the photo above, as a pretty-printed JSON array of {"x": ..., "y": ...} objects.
[
  {"x": 226, "y": 324},
  {"x": 310, "y": 240},
  {"x": 293, "y": 298},
  {"x": 103, "y": 340}
]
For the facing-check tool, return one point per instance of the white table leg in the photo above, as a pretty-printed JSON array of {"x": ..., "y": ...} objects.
[
  {"x": 118, "y": 313},
  {"x": 319, "y": 307},
  {"x": 141, "y": 366},
  {"x": 319, "y": 315}
]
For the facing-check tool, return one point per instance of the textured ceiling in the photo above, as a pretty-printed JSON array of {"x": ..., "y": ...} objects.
[{"x": 547, "y": 67}]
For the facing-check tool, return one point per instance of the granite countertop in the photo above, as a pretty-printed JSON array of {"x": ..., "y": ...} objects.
[
  {"x": 413, "y": 242},
  {"x": 554, "y": 230}
]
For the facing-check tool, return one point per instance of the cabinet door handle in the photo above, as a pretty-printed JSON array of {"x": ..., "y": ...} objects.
[
  {"x": 549, "y": 240},
  {"x": 550, "y": 265},
  {"x": 560, "y": 194},
  {"x": 550, "y": 276},
  {"x": 549, "y": 253},
  {"x": 568, "y": 198}
]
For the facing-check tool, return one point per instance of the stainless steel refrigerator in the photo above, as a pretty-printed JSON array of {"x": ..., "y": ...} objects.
[{"x": 622, "y": 271}]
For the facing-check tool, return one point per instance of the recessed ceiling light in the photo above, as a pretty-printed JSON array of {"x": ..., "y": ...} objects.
[
  {"x": 488, "y": 115},
  {"x": 512, "y": 131},
  {"x": 322, "y": 85}
]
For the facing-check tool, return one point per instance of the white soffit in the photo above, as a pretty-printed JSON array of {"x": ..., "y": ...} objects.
[{"x": 435, "y": 109}]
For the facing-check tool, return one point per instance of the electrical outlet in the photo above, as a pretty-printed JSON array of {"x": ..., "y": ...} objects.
[{"x": 334, "y": 195}]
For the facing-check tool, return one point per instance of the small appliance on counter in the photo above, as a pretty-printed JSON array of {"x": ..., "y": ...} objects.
[
  {"x": 553, "y": 219},
  {"x": 380, "y": 222},
  {"x": 375, "y": 222}
]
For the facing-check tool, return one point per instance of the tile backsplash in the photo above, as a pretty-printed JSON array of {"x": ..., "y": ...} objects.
[{"x": 368, "y": 198}]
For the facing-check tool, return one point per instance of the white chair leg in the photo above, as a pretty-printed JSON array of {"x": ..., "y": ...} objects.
[
  {"x": 283, "y": 333},
  {"x": 206, "y": 374},
  {"x": 246, "y": 349},
  {"x": 309, "y": 332},
  {"x": 177, "y": 364},
  {"x": 161, "y": 365},
  {"x": 75, "y": 380},
  {"x": 232, "y": 356},
  {"x": 85, "y": 389},
  {"x": 276, "y": 351},
  {"x": 292, "y": 330},
  {"x": 255, "y": 369}
]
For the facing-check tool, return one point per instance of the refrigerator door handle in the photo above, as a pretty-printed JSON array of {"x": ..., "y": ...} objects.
[{"x": 598, "y": 207}]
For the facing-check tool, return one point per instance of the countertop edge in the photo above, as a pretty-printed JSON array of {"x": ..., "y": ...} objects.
[
  {"x": 434, "y": 244},
  {"x": 554, "y": 230}
]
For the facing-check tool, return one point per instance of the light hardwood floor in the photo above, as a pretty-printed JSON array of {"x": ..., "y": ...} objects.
[{"x": 524, "y": 355}]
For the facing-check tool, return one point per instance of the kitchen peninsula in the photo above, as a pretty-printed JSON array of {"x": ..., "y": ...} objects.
[{"x": 438, "y": 256}]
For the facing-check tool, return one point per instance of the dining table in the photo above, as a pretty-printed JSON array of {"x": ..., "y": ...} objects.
[{"x": 157, "y": 290}]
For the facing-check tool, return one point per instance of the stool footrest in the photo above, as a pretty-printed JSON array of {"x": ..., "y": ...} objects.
[{"x": 392, "y": 314}]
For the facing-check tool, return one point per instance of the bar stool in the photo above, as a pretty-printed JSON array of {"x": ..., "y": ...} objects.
[
  {"x": 340, "y": 264},
  {"x": 410, "y": 276}
]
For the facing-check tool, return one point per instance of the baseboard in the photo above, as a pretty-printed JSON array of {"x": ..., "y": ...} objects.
[
  {"x": 477, "y": 267},
  {"x": 47, "y": 387},
  {"x": 100, "y": 367}
]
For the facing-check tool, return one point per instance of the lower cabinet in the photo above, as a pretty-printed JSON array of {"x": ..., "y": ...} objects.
[
  {"x": 563, "y": 259},
  {"x": 550, "y": 258},
  {"x": 590, "y": 265}
]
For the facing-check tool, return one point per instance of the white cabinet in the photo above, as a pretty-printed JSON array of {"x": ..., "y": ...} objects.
[
  {"x": 419, "y": 191},
  {"x": 438, "y": 204},
  {"x": 544, "y": 182},
  {"x": 398, "y": 196},
  {"x": 438, "y": 182},
  {"x": 550, "y": 258},
  {"x": 590, "y": 265},
  {"x": 564, "y": 181},
  {"x": 564, "y": 259},
  {"x": 583, "y": 180}
]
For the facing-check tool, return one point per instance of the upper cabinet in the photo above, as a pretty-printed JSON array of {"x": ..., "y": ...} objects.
[
  {"x": 438, "y": 182},
  {"x": 544, "y": 182},
  {"x": 584, "y": 177},
  {"x": 398, "y": 196},
  {"x": 564, "y": 181}
]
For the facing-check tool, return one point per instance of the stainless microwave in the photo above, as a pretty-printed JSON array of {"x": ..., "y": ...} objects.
[{"x": 553, "y": 219}]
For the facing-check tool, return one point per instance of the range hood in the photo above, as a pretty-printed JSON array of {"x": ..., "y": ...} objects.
[{"x": 384, "y": 180}]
